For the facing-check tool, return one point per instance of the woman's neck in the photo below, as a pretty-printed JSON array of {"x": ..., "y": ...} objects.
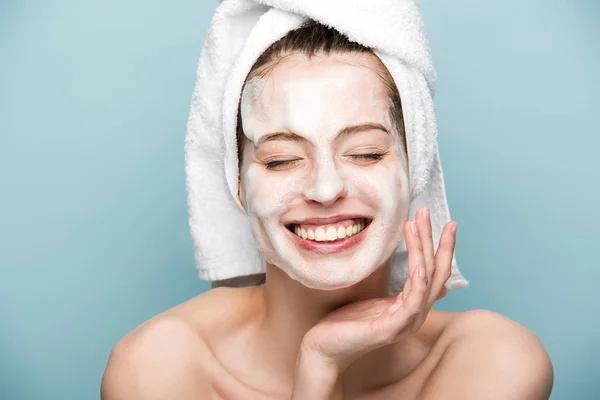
[{"x": 292, "y": 309}]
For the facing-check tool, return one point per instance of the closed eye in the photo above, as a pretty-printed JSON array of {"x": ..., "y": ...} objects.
[
  {"x": 369, "y": 156},
  {"x": 280, "y": 163}
]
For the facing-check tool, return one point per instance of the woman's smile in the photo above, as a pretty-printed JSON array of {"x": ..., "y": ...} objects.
[{"x": 330, "y": 238}]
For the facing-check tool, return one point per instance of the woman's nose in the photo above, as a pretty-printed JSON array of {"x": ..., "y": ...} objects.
[{"x": 327, "y": 186}]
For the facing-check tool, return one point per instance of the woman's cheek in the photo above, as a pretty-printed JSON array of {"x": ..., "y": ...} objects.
[
  {"x": 271, "y": 192},
  {"x": 376, "y": 185}
]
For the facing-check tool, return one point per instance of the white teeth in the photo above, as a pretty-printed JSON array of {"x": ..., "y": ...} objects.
[
  {"x": 320, "y": 235},
  {"x": 331, "y": 233}
]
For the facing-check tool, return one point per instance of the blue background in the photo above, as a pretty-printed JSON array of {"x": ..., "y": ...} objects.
[{"x": 94, "y": 100}]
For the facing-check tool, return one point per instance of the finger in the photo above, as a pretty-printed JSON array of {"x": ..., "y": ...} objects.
[
  {"x": 409, "y": 237},
  {"x": 406, "y": 289},
  {"x": 443, "y": 262},
  {"x": 414, "y": 247},
  {"x": 425, "y": 233},
  {"x": 416, "y": 254},
  {"x": 405, "y": 316},
  {"x": 401, "y": 298}
]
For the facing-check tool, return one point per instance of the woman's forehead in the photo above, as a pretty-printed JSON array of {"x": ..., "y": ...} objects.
[
  {"x": 331, "y": 73},
  {"x": 323, "y": 94}
]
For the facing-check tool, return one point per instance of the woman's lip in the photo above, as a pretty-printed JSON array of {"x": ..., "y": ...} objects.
[
  {"x": 328, "y": 247},
  {"x": 327, "y": 220}
]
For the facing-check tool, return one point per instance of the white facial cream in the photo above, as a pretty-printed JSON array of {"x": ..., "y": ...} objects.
[{"x": 310, "y": 170}]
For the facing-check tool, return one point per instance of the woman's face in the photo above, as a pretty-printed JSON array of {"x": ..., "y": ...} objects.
[{"x": 324, "y": 177}]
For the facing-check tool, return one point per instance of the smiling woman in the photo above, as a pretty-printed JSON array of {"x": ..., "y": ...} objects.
[
  {"x": 324, "y": 180},
  {"x": 340, "y": 162}
]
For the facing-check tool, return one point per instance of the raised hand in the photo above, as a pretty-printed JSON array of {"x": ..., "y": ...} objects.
[{"x": 358, "y": 328}]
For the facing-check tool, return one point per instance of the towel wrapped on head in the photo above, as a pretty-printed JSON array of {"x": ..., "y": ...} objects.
[{"x": 240, "y": 31}]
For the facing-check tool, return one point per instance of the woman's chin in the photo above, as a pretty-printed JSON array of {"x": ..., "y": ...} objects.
[
  {"x": 326, "y": 283},
  {"x": 331, "y": 273}
]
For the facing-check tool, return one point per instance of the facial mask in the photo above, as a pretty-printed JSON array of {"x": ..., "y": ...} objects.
[{"x": 323, "y": 173}]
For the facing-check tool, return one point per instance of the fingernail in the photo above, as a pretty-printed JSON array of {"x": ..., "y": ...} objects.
[
  {"x": 426, "y": 212},
  {"x": 413, "y": 227},
  {"x": 422, "y": 273},
  {"x": 454, "y": 227}
]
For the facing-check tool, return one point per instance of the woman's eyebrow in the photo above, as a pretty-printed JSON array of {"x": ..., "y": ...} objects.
[
  {"x": 349, "y": 130},
  {"x": 369, "y": 126},
  {"x": 280, "y": 136}
]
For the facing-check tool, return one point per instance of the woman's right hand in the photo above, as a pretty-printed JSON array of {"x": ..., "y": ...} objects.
[{"x": 358, "y": 328}]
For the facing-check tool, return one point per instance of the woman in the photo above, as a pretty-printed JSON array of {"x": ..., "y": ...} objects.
[{"x": 343, "y": 174}]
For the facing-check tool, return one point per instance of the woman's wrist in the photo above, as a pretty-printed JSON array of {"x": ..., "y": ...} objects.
[{"x": 316, "y": 378}]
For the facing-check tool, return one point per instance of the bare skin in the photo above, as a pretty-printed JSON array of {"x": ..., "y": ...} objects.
[
  {"x": 203, "y": 350},
  {"x": 284, "y": 340},
  {"x": 237, "y": 343}
]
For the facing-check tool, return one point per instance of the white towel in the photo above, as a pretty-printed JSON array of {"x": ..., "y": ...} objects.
[{"x": 239, "y": 32}]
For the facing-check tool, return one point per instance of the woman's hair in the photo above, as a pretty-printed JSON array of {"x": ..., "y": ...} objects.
[{"x": 310, "y": 39}]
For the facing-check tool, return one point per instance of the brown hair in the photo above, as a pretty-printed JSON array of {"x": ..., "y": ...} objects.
[{"x": 312, "y": 38}]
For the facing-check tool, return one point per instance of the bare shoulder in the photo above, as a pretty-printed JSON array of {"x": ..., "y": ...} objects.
[
  {"x": 492, "y": 356},
  {"x": 160, "y": 359},
  {"x": 168, "y": 356}
]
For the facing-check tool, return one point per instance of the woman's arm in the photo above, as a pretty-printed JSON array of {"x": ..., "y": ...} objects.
[{"x": 315, "y": 378}]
